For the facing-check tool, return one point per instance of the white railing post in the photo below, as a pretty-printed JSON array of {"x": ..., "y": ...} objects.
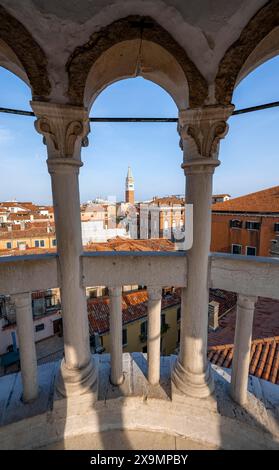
[
  {"x": 154, "y": 334},
  {"x": 65, "y": 130},
  {"x": 27, "y": 350},
  {"x": 201, "y": 130},
  {"x": 115, "y": 322},
  {"x": 242, "y": 347}
]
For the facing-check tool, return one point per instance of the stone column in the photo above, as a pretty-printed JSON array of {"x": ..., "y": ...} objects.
[
  {"x": 200, "y": 131},
  {"x": 115, "y": 326},
  {"x": 65, "y": 129},
  {"x": 27, "y": 350},
  {"x": 154, "y": 334},
  {"x": 242, "y": 347}
]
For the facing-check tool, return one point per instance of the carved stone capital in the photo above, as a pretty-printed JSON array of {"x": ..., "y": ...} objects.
[
  {"x": 201, "y": 129},
  {"x": 64, "y": 129}
]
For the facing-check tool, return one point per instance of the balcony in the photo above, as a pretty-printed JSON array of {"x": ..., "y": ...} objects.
[{"x": 137, "y": 395}]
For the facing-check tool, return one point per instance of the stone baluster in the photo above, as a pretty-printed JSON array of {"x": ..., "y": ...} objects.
[
  {"x": 242, "y": 347},
  {"x": 200, "y": 131},
  {"x": 154, "y": 334},
  {"x": 27, "y": 350},
  {"x": 115, "y": 321}
]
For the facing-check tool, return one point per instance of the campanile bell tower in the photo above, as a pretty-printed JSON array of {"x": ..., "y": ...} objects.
[{"x": 130, "y": 188}]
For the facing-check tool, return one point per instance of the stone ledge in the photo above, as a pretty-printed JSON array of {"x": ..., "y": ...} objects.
[{"x": 137, "y": 406}]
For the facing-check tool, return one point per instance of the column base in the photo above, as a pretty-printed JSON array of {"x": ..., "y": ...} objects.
[
  {"x": 73, "y": 382},
  {"x": 190, "y": 384}
]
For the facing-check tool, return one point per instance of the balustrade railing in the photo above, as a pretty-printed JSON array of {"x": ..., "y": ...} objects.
[{"x": 249, "y": 277}]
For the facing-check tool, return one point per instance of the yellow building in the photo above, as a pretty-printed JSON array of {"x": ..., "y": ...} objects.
[
  {"x": 32, "y": 238},
  {"x": 135, "y": 321}
]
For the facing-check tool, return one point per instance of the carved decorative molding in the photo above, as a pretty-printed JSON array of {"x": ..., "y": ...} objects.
[
  {"x": 64, "y": 129},
  {"x": 29, "y": 53},
  {"x": 203, "y": 129},
  {"x": 133, "y": 27},
  {"x": 256, "y": 30}
]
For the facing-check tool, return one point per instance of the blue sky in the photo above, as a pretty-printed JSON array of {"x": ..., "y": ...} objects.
[{"x": 249, "y": 153}]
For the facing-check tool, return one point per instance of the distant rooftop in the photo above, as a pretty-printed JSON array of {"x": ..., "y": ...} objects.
[{"x": 265, "y": 201}]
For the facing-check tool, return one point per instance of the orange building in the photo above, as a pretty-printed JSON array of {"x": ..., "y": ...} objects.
[{"x": 246, "y": 225}]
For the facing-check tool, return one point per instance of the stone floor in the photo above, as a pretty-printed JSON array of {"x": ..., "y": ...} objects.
[
  {"x": 137, "y": 407},
  {"x": 120, "y": 440}
]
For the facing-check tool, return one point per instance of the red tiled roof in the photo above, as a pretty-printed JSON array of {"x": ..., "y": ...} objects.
[
  {"x": 134, "y": 307},
  {"x": 265, "y": 325},
  {"x": 168, "y": 201},
  {"x": 225, "y": 299},
  {"x": 19, "y": 215},
  {"x": 27, "y": 251},
  {"x": 29, "y": 233},
  {"x": 127, "y": 244},
  {"x": 266, "y": 200},
  {"x": 264, "y": 358}
]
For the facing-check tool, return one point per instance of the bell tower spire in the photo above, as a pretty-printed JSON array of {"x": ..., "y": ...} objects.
[{"x": 130, "y": 187}]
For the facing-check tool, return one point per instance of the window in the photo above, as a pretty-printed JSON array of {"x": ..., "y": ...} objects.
[
  {"x": 143, "y": 328},
  {"x": 54, "y": 242},
  {"x": 235, "y": 223},
  {"x": 40, "y": 327},
  {"x": 37, "y": 243},
  {"x": 51, "y": 301},
  {"x": 124, "y": 337},
  {"x": 250, "y": 251},
  {"x": 9, "y": 245},
  {"x": 42, "y": 243},
  {"x": 236, "y": 249},
  {"x": 252, "y": 225},
  {"x": 38, "y": 307},
  {"x": 276, "y": 227}
]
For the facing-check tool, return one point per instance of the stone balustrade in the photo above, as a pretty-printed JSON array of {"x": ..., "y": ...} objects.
[{"x": 248, "y": 276}]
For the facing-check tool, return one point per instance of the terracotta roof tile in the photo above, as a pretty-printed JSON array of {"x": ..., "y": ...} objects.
[
  {"x": 128, "y": 244},
  {"x": 134, "y": 307},
  {"x": 264, "y": 358},
  {"x": 266, "y": 200}
]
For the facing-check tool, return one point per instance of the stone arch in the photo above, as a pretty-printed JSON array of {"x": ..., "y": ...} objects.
[
  {"x": 20, "y": 54},
  {"x": 124, "y": 37},
  {"x": 256, "y": 43}
]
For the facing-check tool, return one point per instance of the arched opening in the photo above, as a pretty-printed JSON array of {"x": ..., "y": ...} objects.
[
  {"x": 249, "y": 149},
  {"x": 249, "y": 169},
  {"x": 130, "y": 59},
  {"x": 10, "y": 61},
  {"x": 130, "y": 47},
  {"x": 151, "y": 149},
  {"x": 21, "y": 54},
  {"x": 267, "y": 48},
  {"x": 24, "y": 175}
]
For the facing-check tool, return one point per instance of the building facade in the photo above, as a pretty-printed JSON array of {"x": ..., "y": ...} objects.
[{"x": 246, "y": 225}]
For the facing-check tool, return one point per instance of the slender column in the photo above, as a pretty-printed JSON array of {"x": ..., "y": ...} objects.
[
  {"x": 27, "y": 350},
  {"x": 242, "y": 347},
  {"x": 201, "y": 131},
  {"x": 154, "y": 334},
  {"x": 65, "y": 129},
  {"x": 115, "y": 322}
]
